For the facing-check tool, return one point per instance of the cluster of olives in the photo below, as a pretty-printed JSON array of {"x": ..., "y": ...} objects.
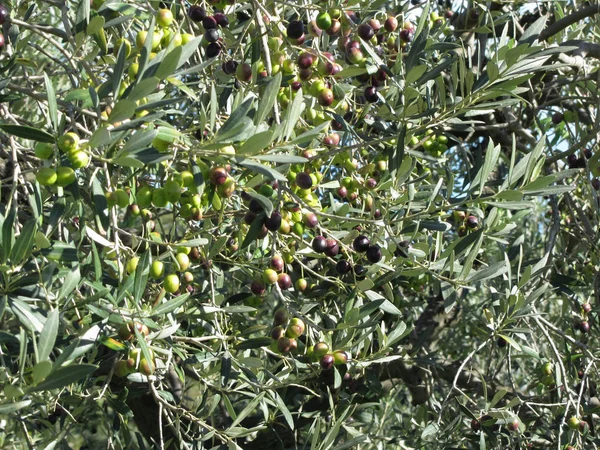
[
  {"x": 70, "y": 145},
  {"x": 286, "y": 332},
  {"x": 582, "y": 324},
  {"x": 212, "y": 39},
  {"x": 136, "y": 361},
  {"x": 321, "y": 353},
  {"x": 465, "y": 222}
]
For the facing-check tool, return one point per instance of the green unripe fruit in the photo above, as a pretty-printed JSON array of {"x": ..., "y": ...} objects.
[
  {"x": 324, "y": 20},
  {"x": 164, "y": 18},
  {"x": 171, "y": 283},
  {"x": 146, "y": 367},
  {"x": 321, "y": 349},
  {"x": 79, "y": 159},
  {"x": 121, "y": 369},
  {"x": 301, "y": 284},
  {"x": 183, "y": 262},
  {"x": 44, "y": 150},
  {"x": 141, "y": 37},
  {"x": 186, "y": 37},
  {"x": 340, "y": 357},
  {"x": 46, "y": 176},
  {"x": 65, "y": 176},
  {"x": 172, "y": 191},
  {"x": 157, "y": 269},
  {"x": 547, "y": 369},
  {"x": 159, "y": 198},
  {"x": 121, "y": 198},
  {"x": 133, "y": 70},
  {"x": 160, "y": 144},
  {"x": 269, "y": 276},
  {"x": 132, "y": 265},
  {"x": 188, "y": 179},
  {"x": 573, "y": 423},
  {"x": 68, "y": 142},
  {"x": 144, "y": 196},
  {"x": 295, "y": 328},
  {"x": 126, "y": 43}
]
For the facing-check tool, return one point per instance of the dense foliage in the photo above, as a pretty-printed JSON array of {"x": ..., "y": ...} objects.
[{"x": 269, "y": 224}]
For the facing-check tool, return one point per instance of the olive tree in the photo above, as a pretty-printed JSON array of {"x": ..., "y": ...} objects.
[{"x": 268, "y": 224}]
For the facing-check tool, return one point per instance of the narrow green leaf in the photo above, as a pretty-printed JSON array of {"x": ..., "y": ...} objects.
[
  {"x": 293, "y": 112},
  {"x": 169, "y": 64},
  {"x": 468, "y": 262},
  {"x": 123, "y": 110},
  {"x": 9, "y": 408},
  {"x": 70, "y": 283},
  {"x": 64, "y": 376},
  {"x": 52, "y": 106},
  {"x": 282, "y": 159},
  {"x": 254, "y": 343},
  {"x": 284, "y": 410},
  {"x": 27, "y": 132},
  {"x": 268, "y": 98},
  {"x": 170, "y": 305},
  {"x": 489, "y": 272},
  {"x": 48, "y": 335},
  {"x": 256, "y": 143},
  {"x": 188, "y": 50},
  {"x": 262, "y": 169},
  {"x": 250, "y": 407},
  {"x": 61, "y": 252},
  {"x": 119, "y": 70},
  {"x": 100, "y": 137},
  {"x": 8, "y": 234},
  {"x": 24, "y": 243},
  {"x": 141, "y": 276},
  {"x": 143, "y": 89}
]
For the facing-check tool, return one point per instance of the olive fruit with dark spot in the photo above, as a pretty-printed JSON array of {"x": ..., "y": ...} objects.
[
  {"x": 319, "y": 244},
  {"x": 277, "y": 332},
  {"x": 284, "y": 344},
  {"x": 584, "y": 326},
  {"x": 374, "y": 254},
  {"x": 229, "y": 67},
  {"x": 209, "y": 22},
  {"x": 196, "y": 13},
  {"x": 273, "y": 222},
  {"x": 304, "y": 180},
  {"x": 557, "y": 118},
  {"x": 343, "y": 267},
  {"x": 406, "y": 35},
  {"x": 284, "y": 281},
  {"x": 572, "y": 161},
  {"x": 212, "y": 50},
  {"x": 222, "y": 20},
  {"x": 258, "y": 287},
  {"x": 513, "y": 425},
  {"x": 212, "y": 35},
  {"x": 305, "y": 60},
  {"x": 371, "y": 94},
  {"x": 361, "y": 243},
  {"x": 280, "y": 317},
  {"x": 390, "y": 24},
  {"x": 332, "y": 248},
  {"x": 326, "y": 362},
  {"x": 472, "y": 222},
  {"x": 365, "y": 31},
  {"x": 295, "y": 29}
]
